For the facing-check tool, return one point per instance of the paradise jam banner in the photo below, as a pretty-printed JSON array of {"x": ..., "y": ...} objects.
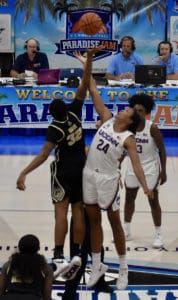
[
  {"x": 81, "y": 33},
  {"x": 29, "y": 106},
  {"x": 60, "y": 35}
]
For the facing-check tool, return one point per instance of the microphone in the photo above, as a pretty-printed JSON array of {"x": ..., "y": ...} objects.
[{"x": 34, "y": 51}]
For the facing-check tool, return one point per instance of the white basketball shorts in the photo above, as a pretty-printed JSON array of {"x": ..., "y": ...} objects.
[
  {"x": 131, "y": 181},
  {"x": 101, "y": 189}
]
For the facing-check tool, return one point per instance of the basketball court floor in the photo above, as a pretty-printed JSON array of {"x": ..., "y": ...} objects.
[{"x": 31, "y": 211}]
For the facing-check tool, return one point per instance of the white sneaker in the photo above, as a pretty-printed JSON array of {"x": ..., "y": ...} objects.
[
  {"x": 157, "y": 243},
  {"x": 122, "y": 281},
  {"x": 127, "y": 232},
  {"x": 60, "y": 266},
  {"x": 96, "y": 273},
  {"x": 72, "y": 268},
  {"x": 128, "y": 237}
]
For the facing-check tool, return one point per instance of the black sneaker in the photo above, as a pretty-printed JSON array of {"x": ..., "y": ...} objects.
[
  {"x": 103, "y": 286},
  {"x": 71, "y": 296}
]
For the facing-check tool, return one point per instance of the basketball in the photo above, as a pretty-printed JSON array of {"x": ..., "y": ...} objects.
[
  {"x": 90, "y": 23},
  {"x": 76, "y": 27}
]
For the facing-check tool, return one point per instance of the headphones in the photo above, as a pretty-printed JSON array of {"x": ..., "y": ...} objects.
[
  {"x": 37, "y": 44},
  {"x": 165, "y": 42},
  {"x": 128, "y": 38}
]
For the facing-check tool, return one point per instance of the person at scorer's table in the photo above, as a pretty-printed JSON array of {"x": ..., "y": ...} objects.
[
  {"x": 122, "y": 65},
  {"x": 31, "y": 60},
  {"x": 167, "y": 58}
]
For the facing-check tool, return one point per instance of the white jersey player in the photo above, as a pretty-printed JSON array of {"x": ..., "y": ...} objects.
[
  {"x": 152, "y": 154},
  {"x": 101, "y": 181},
  {"x": 103, "y": 166},
  {"x": 149, "y": 157}
]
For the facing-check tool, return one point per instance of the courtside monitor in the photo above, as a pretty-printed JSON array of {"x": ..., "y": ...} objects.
[
  {"x": 150, "y": 74},
  {"x": 70, "y": 72}
]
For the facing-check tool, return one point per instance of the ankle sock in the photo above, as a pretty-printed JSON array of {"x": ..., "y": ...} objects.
[{"x": 59, "y": 252}]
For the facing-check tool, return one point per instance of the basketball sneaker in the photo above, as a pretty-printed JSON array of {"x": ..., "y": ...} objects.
[
  {"x": 157, "y": 243},
  {"x": 59, "y": 265},
  {"x": 70, "y": 272},
  {"x": 128, "y": 236},
  {"x": 122, "y": 281},
  {"x": 103, "y": 286},
  {"x": 96, "y": 273}
]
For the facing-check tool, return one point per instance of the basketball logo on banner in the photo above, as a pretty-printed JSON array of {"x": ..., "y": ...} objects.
[
  {"x": 88, "y": 29},
  {"x": 90, "y": 23}
]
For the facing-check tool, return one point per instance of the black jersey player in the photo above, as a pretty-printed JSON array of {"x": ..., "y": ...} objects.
[{"x": 65, "y": 135}]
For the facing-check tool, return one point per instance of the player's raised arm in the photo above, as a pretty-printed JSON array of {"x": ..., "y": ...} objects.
[
  {"x": 83, "y": 86},
  {"x": 101, "y": 109}
]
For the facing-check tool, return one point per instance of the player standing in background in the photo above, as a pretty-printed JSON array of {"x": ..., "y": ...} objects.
[{"x": 152, "y": 154}]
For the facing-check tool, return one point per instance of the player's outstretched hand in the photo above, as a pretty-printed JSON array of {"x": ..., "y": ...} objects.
[
  {"x": 90, "y": 52},
  {"x": 80, "y": 57},
  {"x": 20, "y": 184},
  {"x": 149, "y": 193},
  {"x": 162, "y": 177}
]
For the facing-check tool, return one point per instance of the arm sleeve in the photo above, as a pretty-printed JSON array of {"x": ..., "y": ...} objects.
[
  {"x": 17, "y": 64},
  {"x": 139, "y": 60},
  {"x": 153, "y": 60},
  {"x": 175, "y": 64},
  {"x": 111, "y": 67},
  {"x": 45, "y": 63}
]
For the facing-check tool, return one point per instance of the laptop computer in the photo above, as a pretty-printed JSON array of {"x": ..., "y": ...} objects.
[
  {"x": 48, "y": 76},
  {"x": 150, "y": 74}
]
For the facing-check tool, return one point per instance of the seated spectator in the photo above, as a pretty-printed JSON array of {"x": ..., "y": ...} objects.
[
  {"x": 122, "y": 65},
  {"x": 32, "y": 60},
  {"x": 26, "y": 275},
  {"x": 166, "y": 58}
]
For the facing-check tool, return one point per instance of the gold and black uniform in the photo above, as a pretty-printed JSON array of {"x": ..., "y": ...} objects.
[{"x": 66, "y": 169}]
